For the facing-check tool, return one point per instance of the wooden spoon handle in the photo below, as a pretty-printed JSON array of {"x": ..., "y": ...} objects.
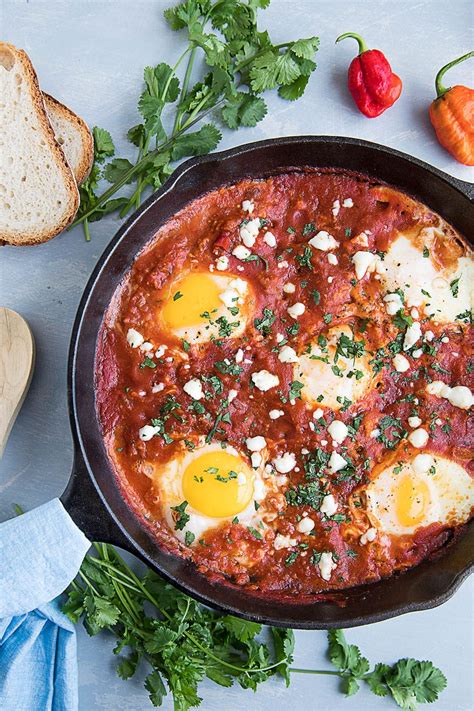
[{"x": 17, "y": 357}]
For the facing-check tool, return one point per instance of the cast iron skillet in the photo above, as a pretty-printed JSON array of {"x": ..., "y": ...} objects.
[{"x": 92, "y": 496}]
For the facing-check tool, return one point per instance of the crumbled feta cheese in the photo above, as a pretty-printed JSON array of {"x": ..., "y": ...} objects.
[
  {"x": 193, "y": 388},
  {"x": 461, "y": 396},
  {"x": 280, "y": 337},
  {"x": 270, "y": 239},
  {"x": 289, "y": 288},
  {"x": 418, "y": 438},
  {"x": 318, "y": 413},
  {"x": 338, "y": 431},
  {"x": 369, "y": 536},
  {"x": 336, "y": 462},
  {"x": 264, "y": 380},
  {"x": 147, "y": 432},
  {"x": 348, "y": 202},
  {"x": 393, "y": 303},
  {"x": 239, "y": 356},
  {"x": 323, "y": 241},
  {"x": 296, "y": 310},
  {"x": 328, "y": 505},
  {"x": 414, "y": 313},
  {"x": 241, "y": 252},
  {"x": 232, "y": 395},
  {"x": 422, "y": 463},
  {"x": 256, "y": 444},
  {"x": 412, "y": 335},
  {"x": 288, "y": 355},
  {"x": 364, "y": 262},
  {"x": 275, "y": 414},
  {"x": 417, "y": 353},
  {"x": 414, "y": 421},
  {"x": 285, "y": 463},
  {"x": 330, "y": 279},
  {"x": 375, "y": 433},
  {"x": 362, "y": 239},
  {"x": 239, "y": 285},
  {"x": 222, "y": 263},
  {"x": 336, "y": 206},
  {"x": 445, "y": 339},
  {"x": 332, "y": 259},
  {"x": 157, "y": 388},
  {"x": 146, "y": 347},
  {"x": 429, "y": 336},
  {"x": 305, "y": 525},
  {"x": 326, "y": 565},
  {"x": 255, "y": 459},
  {"x": 134, "y": 339},
  {"x": 283, "y": 264},
  {"x": 249, "y": 231},
  {"x": 435, "y": 387},
  {"x": 281, "y": 542},
  {"x": 229, "y": 297},
  {"x": 248, "y": 206},
  {"x": 160, "y": 351},
  {"x": 400, "y": 363}
]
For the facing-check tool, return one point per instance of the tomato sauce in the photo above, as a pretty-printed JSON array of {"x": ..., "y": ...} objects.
[{"x": 293, "y": 208}]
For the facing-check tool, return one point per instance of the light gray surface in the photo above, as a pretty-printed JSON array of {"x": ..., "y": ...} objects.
[{"x": 91, "y": 56}]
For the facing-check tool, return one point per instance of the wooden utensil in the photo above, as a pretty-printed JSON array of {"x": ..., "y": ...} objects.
[{"x": 17, "y": 359}]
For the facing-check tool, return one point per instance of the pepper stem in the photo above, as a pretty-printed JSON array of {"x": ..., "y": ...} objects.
[
  {"x": 362, "y": 46},
  {"x": 440, "y": 89}
]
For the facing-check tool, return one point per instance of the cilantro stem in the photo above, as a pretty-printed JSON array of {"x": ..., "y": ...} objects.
[
  {"x": 151, "y": 598},
  {"x": 138, "y": 167},
  {"x": 296, "y": 670},
  {"x": 87, "y": 231},
  {"x": 184, "y": 90}
]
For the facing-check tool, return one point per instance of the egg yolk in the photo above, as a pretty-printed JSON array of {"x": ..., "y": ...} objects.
[
  {"x": 191, "y": 297},
  {"x": 218, "y": 484},
  {"x": 412, "y": 501}
]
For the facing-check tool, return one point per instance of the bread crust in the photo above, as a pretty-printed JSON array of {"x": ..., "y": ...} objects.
[
  {"x": 87, "y": 159},
  {"x": 39, "y": 237}
]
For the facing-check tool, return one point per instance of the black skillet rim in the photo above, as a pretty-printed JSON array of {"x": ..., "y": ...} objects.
[{"x": 260, "y": 609}]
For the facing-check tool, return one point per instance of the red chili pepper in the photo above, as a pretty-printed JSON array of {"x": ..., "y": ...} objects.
[
  {"x": 223, "y": 242},
  {"x": 373, "y": 85}
]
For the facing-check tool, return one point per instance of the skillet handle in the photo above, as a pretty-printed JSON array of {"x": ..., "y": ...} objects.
[{"x": 85, "y": 506}]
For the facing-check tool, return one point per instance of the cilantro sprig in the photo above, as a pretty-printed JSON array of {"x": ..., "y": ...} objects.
[
  {"x": 182, "y": 642},
  {"x": 409, "y": 682},
  {"x": 240, "y": 64}
]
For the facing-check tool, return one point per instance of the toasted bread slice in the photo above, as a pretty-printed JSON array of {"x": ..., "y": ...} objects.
[
  {"x": 38, "y": 192},
  {"x": 73, "y": 135}
]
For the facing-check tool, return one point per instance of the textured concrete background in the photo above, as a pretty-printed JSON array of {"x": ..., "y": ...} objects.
[{"x": 91, "y": 56}]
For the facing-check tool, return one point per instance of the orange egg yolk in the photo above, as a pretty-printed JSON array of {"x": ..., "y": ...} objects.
[
  {"x": 412, "y": 501},
  {"x": 218, "y": 484},
  {"x": 191, "y": 297}
]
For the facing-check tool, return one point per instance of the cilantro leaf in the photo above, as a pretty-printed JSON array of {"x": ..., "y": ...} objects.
[
  {"x": 103, "y": 144},
  {"x": 197, "y": 143},
  {"x": 244, "y": 110}
]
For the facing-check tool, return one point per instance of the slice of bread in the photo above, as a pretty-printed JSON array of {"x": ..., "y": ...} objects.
[
  {"x": 38, "y": 192},
  {"x": 73, "y": 135}
]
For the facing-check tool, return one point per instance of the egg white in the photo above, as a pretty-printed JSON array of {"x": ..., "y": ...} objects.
[
  {"x": 319, "y": 380},
  {"x": 448, "y": 499},
  {"x": 168, "y": 484},
  {"x": 407, "y": 269}
]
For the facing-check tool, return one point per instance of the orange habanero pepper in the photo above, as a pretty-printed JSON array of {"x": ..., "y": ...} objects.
[{"x": 452, "y": 116}]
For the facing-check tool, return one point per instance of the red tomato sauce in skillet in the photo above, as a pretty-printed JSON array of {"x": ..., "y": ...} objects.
[{"x": 311, "y": 227}]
